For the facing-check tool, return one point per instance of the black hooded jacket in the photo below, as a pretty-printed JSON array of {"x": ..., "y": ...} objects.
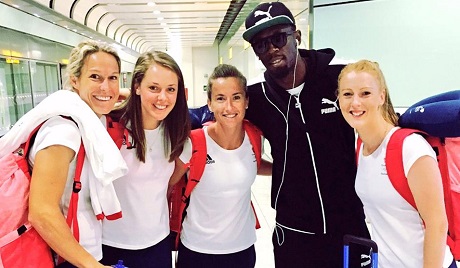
[{"x": 314, "y": 165}]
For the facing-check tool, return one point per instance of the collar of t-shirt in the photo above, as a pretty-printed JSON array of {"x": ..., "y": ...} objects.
[{"x": 296, "y": 90}]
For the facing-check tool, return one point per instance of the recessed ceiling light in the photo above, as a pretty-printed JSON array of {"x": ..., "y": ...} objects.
[
  {"x": 151, "y": 4},
  {"x": 156, "y": 12}
]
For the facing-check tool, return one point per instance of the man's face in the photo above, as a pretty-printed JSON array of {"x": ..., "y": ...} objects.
[{"x": 276, "y": 48}]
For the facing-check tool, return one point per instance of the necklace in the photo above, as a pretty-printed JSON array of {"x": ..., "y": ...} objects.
[{"x": 151, "y": 138}]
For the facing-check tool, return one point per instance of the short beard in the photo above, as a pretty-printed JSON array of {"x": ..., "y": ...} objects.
[{"x": 280, "y": 73}]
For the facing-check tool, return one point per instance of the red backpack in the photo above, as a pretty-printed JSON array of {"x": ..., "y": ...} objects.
[
  {"x": 449, "y": 165},
  {"x": 180, "y": 195},
  {"x": 20, "y": 243}
]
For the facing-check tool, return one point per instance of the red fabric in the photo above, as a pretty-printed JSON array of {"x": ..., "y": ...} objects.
[
  {"x": 27, "y": 251},
  {"x": 20, "y": 245},
  {"x": 449, "y": 166},
  {"x": 182, "y": 190}
]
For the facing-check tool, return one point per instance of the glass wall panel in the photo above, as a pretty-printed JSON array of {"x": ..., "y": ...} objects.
[
  {"x": 7, "y": 105},
  {"x": 22, "y": 87},
  {"x": 52, "y": 78},
  {"x": 44, "y": 80},
  {"x": 38, "y": 73}
]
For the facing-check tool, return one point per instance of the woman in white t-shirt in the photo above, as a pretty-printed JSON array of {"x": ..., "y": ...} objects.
[
  {"x": 156, "y": 117},
  {"x": 93, "y": 73},
  {"x": 219, "y": 227},
  {"x": 406, "y": 237}
]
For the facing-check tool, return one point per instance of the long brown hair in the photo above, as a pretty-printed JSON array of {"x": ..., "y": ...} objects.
[{"x": 176, "y": 124}]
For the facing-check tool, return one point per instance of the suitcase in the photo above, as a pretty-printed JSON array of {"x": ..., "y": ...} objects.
[{"x": 350, "y": 239}]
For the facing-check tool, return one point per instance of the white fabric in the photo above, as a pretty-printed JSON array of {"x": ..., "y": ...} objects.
[
  {"x": 105, "y": 159},
  {"x": 142, "y": 194},
  {"x": 396, "y": 226},
  {"x": 60, "y": 131},
  {"x": 103, "y": 162},
  {"x": 295, "y": 91},
  {"x": 219, "y": 218},
  {"x": 186, "y": 152}
]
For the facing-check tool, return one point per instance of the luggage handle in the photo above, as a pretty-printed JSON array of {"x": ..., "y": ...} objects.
[{"x": 347, "y": 239}]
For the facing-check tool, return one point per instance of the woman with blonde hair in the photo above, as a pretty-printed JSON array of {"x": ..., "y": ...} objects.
[{"x": 406, "y": 237}]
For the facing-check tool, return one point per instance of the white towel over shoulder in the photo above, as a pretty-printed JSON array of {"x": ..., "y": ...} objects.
[{"x": 105, "y": 161}]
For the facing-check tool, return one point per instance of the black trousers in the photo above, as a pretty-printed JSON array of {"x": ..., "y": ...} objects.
[
  {"x": 156, "y": 256},
  {"x": 294, "y": 249},
  {"x": 191, "y": 259}
]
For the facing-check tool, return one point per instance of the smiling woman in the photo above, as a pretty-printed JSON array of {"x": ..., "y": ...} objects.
[
  {"x": 225, "y": 237},
  {"x": 365, "y": 104},
  {"x": 59, "y": 141},
  {"x": 157, "y": 120},
  {"x": 97, "y": 83}
]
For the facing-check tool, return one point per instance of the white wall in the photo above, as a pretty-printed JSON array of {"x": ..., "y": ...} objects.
[
  {"x": 416, "y": 42},
  {"x": 204, "y": 59}
]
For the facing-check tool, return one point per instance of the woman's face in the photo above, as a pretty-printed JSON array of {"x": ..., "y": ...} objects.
[
  {"x": 360, "y": 98},
  {"x": 228, "y": 101},
  {"x": 98, "y": 83},
  {"x": 158, "y": 93}
]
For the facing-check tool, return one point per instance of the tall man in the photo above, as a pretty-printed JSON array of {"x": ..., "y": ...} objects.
[{"x": 295, "y": 105}]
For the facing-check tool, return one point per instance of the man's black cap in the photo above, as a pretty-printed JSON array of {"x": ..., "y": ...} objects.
[{"x": 266, "y": 15}]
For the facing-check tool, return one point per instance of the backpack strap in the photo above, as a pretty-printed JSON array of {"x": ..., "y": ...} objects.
[
  {"x": 394, "y": 163},
  {"x": 117, "y": 131},
  {"x": 72, "y": 219},
  {"x": 359, "y": 142},
  {"x": 73, "y": 205},
  {"x": 197, "y": 164},
  {"x": 255, "y": 137}
]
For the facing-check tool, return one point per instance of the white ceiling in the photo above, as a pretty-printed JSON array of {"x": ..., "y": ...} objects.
[{"x": 142, "y": 24}]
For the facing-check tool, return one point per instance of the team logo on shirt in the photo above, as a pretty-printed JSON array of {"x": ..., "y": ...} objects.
[
  {"x": 209, "y": 160},
  {"x": 329, "y": 109}
]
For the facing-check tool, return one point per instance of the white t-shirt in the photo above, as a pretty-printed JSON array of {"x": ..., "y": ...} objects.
[
  {"x": 219, "y": 218},
  {"x": 61, "y": 131},
  {"x": 396, "y": 226},
  {"x": 142, "y": 195}
]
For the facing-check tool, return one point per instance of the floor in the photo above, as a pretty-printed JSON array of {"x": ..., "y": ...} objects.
[{"x": 266, "y": 216}]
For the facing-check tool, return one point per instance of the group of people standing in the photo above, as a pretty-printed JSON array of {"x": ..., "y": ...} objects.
[{"x": 308, "y": 114}]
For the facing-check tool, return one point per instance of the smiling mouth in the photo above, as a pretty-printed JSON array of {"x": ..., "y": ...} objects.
[
  {"x": 276, "y": 61},
  {"x": 103, "y": 98},
  {"x": 160, "y": 107},
  {"x": 230, "y": 115},
  {"x": 357, "y": 114}
]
